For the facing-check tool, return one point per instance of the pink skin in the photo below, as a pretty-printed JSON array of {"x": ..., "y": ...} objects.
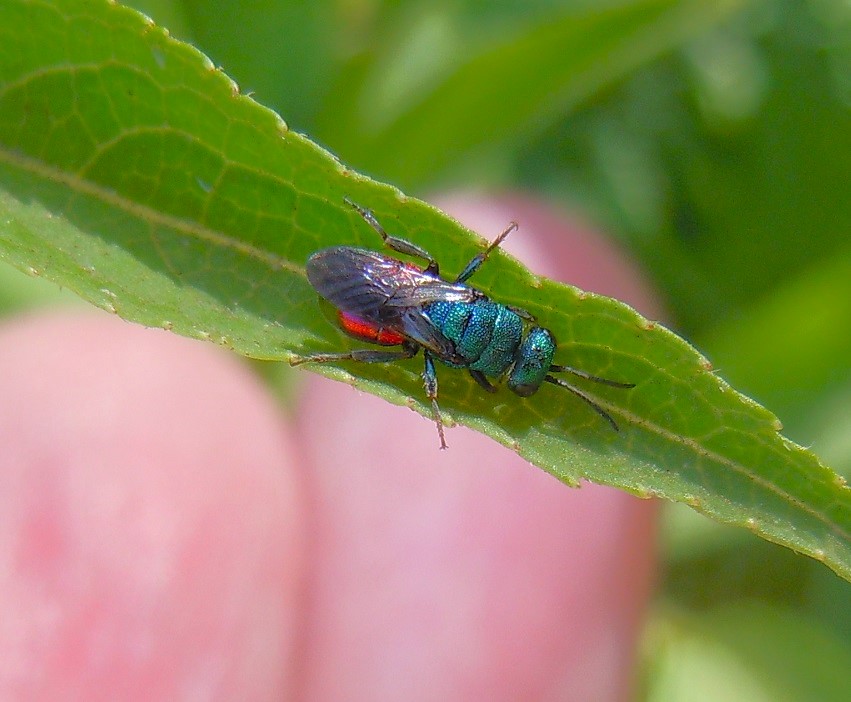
[{"x": 167, "y": 533}]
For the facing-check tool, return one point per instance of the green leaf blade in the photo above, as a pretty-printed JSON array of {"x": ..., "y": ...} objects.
[
  {"x": 731, "y": 462},
  {"x": 119, "y": 125},
  {"x": 135, "y": 173}
]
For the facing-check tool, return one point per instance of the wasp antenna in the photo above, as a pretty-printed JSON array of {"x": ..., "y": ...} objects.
[
  {"x": 582, "y": 396},
  {"x": 480, "y": 258},
  {"x": 587, "y": 376}
]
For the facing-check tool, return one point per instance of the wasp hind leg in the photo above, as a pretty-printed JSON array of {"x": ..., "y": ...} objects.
[
  {"x": 392, "y": 242},
  {"x": 361, "y": 355},
  {"x": 371, "y": 356}
]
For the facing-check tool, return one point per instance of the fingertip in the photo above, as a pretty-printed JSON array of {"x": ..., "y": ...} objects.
[
  {"x": 465, "y": 571},
  {"x": 150, "y": 505}
]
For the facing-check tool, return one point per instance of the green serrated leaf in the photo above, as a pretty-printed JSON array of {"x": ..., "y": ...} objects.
[{"x": 136, "y": 174}]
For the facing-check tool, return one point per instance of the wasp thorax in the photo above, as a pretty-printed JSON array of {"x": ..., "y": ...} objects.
[{"x": 532, "y": 362}]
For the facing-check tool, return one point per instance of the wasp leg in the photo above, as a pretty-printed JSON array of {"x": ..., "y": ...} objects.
[
  {"x": 480, "y": 378},
  {"x": 430, "y": 383},
  {"x": 520, "y": 312},
  {"x": 395, "y": 243},
  {"x": 576, "y": 391},
  {"x": 362, "y": 355},
  {"x": 480, "y": 258}
]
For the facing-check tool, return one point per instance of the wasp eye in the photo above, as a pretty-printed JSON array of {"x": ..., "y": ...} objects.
[{"x": 532, "y": 362}]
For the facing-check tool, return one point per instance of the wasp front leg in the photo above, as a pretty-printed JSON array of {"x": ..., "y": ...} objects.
[
  {"x": 480, "y": 378},
  {"x": 430, "y": 383},
  {"x": 361, "y": 355}
]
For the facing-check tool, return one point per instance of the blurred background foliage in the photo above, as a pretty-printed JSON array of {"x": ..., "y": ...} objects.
[{"x": 712, "y": 139}]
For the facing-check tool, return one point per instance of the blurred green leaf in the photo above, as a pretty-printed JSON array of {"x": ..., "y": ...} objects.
[
  {"x": 797, "y": 338},
  {"x": 708, "y": 563},
  {"x": 19, "y": 291},
  {"x": 134, "y": 173},
  {"x": 724, "y": 165},
  {"x": 453, "y": 96},
  {"x": 279, "y": 52},
  {"x": 829, "y": 423},
  {"x": 746, "y": 652}
]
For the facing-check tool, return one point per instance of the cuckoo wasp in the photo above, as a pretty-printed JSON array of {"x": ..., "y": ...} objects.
[{"x": 387, "y": 302}]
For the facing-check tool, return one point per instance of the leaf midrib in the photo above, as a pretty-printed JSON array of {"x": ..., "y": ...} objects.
[
  {"x": 738, "y": 468},
  {"x": 146, "y": 213}
]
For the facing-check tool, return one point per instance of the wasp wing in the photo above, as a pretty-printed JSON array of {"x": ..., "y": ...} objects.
[
  {"x": 376, "y": 287},
  {"x": 386, "y": 291}
]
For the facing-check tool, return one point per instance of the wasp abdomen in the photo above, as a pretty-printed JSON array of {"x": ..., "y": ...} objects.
[{"x": 360, "y": 328}]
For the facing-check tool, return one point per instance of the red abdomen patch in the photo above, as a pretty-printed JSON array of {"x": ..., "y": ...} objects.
[{"x": 368, "y": 331}]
